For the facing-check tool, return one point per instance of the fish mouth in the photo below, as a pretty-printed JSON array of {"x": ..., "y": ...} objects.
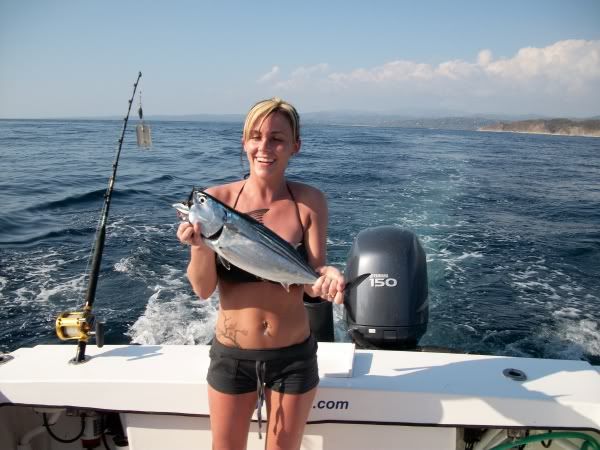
[{"x": 183, "y": 212}]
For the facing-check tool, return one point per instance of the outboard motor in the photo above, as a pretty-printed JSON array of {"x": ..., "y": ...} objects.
[{"x": 390, "y": 309}]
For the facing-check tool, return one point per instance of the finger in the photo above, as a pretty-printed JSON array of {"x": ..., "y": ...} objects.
[
  {"x": 341, "y": 283},
  {"x": 180, "y": 229},
  {"x": 317, "y": 286},
  {"x": 180, "y": 232},
  {"x": 333, "y": 288},
  {"x": 196, "y": 227},
  {"x": 339, "y": 298},
  {"x": 325, "y": 288},
  {"x": 187, "y": 237}
]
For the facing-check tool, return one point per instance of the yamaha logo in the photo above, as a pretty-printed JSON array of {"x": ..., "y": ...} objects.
[{"x": 382, "y": 280}]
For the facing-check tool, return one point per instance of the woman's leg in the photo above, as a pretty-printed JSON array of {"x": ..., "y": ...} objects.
[
  {"x": 287, "y": 414},
  {"x": 230, "y": 418}
]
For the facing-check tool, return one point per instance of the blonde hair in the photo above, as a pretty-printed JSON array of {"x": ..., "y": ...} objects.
[{"x": 263, "y": 109}]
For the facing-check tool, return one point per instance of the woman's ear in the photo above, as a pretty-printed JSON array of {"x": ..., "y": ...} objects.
[{"x": 297, "y": 146}]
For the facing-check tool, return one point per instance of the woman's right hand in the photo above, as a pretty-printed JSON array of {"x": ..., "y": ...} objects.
[{"x": 189, "y": 234}]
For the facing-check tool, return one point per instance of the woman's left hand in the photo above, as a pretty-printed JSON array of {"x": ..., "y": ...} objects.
[{"x": 330, "y": 285}]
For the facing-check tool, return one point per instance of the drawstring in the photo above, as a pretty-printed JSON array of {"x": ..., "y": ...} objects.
[{"x": 260, "y": 388}]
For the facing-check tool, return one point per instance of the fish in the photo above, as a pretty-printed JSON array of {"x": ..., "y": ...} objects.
[{"x": 242, "y": 240}]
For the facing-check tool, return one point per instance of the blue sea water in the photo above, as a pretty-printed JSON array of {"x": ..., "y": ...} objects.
[{"x": 510, "y": 224}]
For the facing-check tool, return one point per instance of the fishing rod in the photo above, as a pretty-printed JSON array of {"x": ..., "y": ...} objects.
[{"x": 79, "y": 324}]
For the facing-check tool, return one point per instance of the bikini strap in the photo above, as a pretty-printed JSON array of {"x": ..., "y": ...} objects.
[
  {"x": 297, "y": 209},
  {"x": 293, "y": 199},
  {"x": 238, "y": 196}
]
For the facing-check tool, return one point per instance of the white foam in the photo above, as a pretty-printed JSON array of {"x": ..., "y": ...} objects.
[
  {"x": 533, "y": 285},
  {"x": 169, "y": 322},
  {"x": 69, "y": 286},
  {"x": 3, "y": 283},
  {"x": 124, "y": 265},
  {"x": 469, "y": 255},
  {"x": 584, "y": 334},
  {"x": 523, "y": 275},
  {"x": 569, "y": 313},
  {"x": 24, "y": 295},
  {"x": 174, "y": 315}
]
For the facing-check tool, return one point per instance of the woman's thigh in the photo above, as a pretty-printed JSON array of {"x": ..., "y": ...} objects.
[
  {"x": 230, "y": 418},
  {"x": 287, "y": 414}
]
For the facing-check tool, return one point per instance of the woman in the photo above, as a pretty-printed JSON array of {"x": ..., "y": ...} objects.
[{"x": 263, "y": 347}]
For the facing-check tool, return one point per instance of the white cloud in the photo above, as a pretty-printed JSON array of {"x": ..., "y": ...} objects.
[
  {"x": 565, "y": 60},
  {"x": 563, "y": 75},
  {"x": 484, "y": 57},
  {"x": 270, "y": 75},
  {"x": 303, "y": 76}
]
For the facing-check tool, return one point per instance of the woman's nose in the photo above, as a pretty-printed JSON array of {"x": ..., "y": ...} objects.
[{"x": 263, "y": 145}]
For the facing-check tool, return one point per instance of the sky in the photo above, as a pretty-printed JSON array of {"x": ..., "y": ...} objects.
[{"x": 75, "y": 58}]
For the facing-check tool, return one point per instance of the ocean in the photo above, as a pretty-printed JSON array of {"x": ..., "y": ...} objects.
[{"x": 510, "y": 224}]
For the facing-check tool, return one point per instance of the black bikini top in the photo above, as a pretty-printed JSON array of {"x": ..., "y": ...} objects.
[{"x": 236, "y": 275}]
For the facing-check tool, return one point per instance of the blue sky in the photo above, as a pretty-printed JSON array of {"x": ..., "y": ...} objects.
[{"x": 79, "y": 58}]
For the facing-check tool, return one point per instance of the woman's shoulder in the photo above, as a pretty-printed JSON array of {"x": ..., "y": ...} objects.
[
  {"x": 226, "y": 192},
  {"x": 307, "y": 194}
]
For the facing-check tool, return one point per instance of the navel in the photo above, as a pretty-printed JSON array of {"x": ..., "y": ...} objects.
[{"x": 265, "y": 326}]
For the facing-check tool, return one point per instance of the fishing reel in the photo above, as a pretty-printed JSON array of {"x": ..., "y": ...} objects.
[{"x": 79, "y": 325}]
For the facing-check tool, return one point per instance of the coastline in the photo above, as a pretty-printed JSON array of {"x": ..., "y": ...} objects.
[{"x": 540, "y": 132}]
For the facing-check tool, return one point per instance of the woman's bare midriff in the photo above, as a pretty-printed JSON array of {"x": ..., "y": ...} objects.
[{"x": 261, "y": 315}]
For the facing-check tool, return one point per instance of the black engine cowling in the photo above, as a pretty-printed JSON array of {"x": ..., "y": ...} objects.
[{"x": 390, "y": 309}]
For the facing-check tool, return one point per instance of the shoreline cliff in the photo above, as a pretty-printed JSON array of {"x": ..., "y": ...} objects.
[{"x": 560, "y": 127}]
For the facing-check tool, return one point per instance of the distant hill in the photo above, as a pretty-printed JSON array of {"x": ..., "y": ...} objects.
[
  {"x": 441, "y": 120},
  {"x": 397, "y": 120},
  {"x": 356, "y": 118},
  {"x": 564, "y": 127}
]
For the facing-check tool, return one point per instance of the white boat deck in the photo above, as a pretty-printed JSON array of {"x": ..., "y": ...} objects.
[{"x": 365, "y": 386}]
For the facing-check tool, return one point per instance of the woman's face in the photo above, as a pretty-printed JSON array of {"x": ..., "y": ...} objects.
[{"x": 270, "y": 145}]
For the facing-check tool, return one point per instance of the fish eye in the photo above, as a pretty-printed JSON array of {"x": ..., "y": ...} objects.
[{"x": 202, "y": 200}]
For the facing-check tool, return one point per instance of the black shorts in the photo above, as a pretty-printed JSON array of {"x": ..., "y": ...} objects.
[{"x": 291, "y": 370}]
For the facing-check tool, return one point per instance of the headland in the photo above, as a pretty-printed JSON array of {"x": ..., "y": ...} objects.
[{"x": 563, "y": 127}]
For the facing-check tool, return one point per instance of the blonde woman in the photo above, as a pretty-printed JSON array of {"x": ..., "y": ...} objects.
[{"x": 263, "y": 349}]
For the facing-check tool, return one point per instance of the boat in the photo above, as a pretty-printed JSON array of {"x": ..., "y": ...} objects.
[{"x": 379, "y": 390}]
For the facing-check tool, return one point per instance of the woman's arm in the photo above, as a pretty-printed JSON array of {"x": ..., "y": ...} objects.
[
  {"x": 202, "y": 269},
  {"x": 330, "y": 285}
]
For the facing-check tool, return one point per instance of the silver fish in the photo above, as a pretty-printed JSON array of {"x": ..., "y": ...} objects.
[{"x": 243, "y": 241}]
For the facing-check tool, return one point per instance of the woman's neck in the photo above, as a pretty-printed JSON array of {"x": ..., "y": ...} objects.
[{"x": 266, "y": 190}]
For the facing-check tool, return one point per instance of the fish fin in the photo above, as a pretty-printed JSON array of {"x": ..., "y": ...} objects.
[
  {"x": 355, "y": 282},
  {"x": 225, "y": 263},
  {"x": 258, "y": 214},
  {"x": 286, "y": 286}
]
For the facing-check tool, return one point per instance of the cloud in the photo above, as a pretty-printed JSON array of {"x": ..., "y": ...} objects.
[
  {"x": 568, "y": 62},
  {"x": 562, "y": 77},
  {"x": 560, "y": 61},
  {"x": 303, "y": 75},
  {"x": 270, "y": 75}
]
